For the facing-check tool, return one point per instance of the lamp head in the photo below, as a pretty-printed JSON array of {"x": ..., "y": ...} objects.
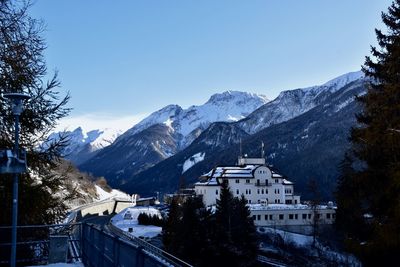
[{"x": 17, "y": 102}]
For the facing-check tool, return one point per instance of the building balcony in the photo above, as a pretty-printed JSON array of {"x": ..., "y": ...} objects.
[{"x": 263, "y": 184}]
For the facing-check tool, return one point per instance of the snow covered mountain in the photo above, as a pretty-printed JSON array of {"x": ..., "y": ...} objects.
[
  {"x": 166, "y": 132},
  {"x": 310, "y": 145},
  {"x": 292, "y": 103},
  {"x": 188, "y": 123},
  {"x": 172, "y": 129},
  {"x": 84, "y": 144}
]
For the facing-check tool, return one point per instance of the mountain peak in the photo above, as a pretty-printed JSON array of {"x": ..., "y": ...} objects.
[
  {"x": 344, "y": 79},
  {"x": 231, "y": 95}
]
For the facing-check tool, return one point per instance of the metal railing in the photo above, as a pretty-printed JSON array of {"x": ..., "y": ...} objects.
[
  {"x": 33, "y": 243},
  {"x": 157, "y": 252},
  {"x": 88, "y": 243},
  {"x": 101, "y": 249}
]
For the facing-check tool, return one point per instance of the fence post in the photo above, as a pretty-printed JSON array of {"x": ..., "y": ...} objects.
[
  {"x": 116, "y": 250},
  {"x": 103, "y": 245},
  {"x": 140, "y": 257}
]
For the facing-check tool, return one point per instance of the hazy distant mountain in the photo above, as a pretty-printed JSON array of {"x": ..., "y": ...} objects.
[{"x": 83, "y": 145}]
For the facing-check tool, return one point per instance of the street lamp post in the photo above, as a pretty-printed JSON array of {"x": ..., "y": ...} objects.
[{"x": 17, "y": 108}]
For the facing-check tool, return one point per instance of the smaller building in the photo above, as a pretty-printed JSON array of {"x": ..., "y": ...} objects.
[{"x": 270, "y": 196}]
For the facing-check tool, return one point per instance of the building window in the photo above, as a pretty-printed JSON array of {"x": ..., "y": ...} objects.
[
  {"x": 258, "y": 201},
  {"x": 266, "y": 191},
  {"x": 304, "y": 216},
  {"x": 254, "y": 217},
  {"x": 237, "y": 181},
  {"x": 276, "y": 181},
  {"x": 266, "y": 217},
  {"x": 295, "y": 201},
  {"x": 258, "y": 191},
  {"x": 309, "y": 216},
  {"x": 296, "y": 216},
  {"x": 279, "y": 201},
  {"x": 270, "y": 217},
  {"x": 247, "y": 181},
  {"x": 237, "y": 191},
  {"x": 246, "y": 191},
  {"x": 249, "y": 201},
  {"x": 288, "y": 201},
  {"x": 266, "y": 182},
  {"x": 249, "y": 191},
  {"x": 290, "y": 216},
  {"x": 278, "y": 191},
  {"x": 258, "y": 217},
  {"x": 262, "y": 191},
  {"x": 216, "y": 192},
  {"x": 328, "y": 215},
  {"x": 280, "y": 216},
  {"x": 258, "y": 181}
]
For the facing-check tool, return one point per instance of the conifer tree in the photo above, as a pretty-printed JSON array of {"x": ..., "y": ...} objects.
[
  {"x": 235, "y": 241},
  {"x": 23, "y": 69},
  {"x": 376, "y": 147},
  {"x": 171, "y": 229}
]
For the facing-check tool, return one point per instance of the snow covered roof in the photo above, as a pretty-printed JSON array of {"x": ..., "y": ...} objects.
[
  {"x": 245, "y": 172},
  {"x": 287, "y": 182},
  {"x": 208, "y": 182},
  {"x": 276, "y": 175}
]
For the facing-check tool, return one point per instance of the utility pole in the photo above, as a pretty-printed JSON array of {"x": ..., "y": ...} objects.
[{"x": 17, "y": 108}]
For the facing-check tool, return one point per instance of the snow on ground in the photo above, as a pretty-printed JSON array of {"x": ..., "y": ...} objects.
[
  {"x": 124, "y": 221},
  {"x": 114, "y": 193},
  {"x": 298, "y": 239},
  {"x": 190, "y": 162}
]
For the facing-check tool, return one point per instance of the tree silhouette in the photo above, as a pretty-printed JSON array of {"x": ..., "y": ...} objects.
[{"x": 376, "y": 147}]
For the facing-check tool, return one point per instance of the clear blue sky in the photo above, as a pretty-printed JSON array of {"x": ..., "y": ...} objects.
[{"x": 133, "y": 57}]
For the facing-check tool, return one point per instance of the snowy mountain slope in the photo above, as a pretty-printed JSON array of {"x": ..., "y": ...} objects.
[
  {"x": 165, "y": 175},
  {"x": 166, "y": 132},
  {"x": 83, "y": 145},
  {"x": 131, "y": 155},
  {"x": 171, "y": 129},
  {"x": 310, "y": 145},
  {"x": 83, "y": 187},
  {"x": 292, "y": 103},
  {"x": 188, "y": 123}
]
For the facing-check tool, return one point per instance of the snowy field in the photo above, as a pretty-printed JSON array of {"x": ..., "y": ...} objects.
[
  {"x": 127, "y": 218},
  {"x": 193, "y": 160}
]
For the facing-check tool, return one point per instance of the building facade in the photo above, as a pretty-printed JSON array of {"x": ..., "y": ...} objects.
[{"x": 270, "y": 196}]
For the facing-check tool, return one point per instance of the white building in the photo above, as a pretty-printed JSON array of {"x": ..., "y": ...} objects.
[{"x": 270, "y": 197}]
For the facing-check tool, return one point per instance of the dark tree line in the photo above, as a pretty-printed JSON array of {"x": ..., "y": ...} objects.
[
  {"x": 225, "y": 238},
  {"x": 148, "y": 219},
  {"x": 368, "y": 194}
]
